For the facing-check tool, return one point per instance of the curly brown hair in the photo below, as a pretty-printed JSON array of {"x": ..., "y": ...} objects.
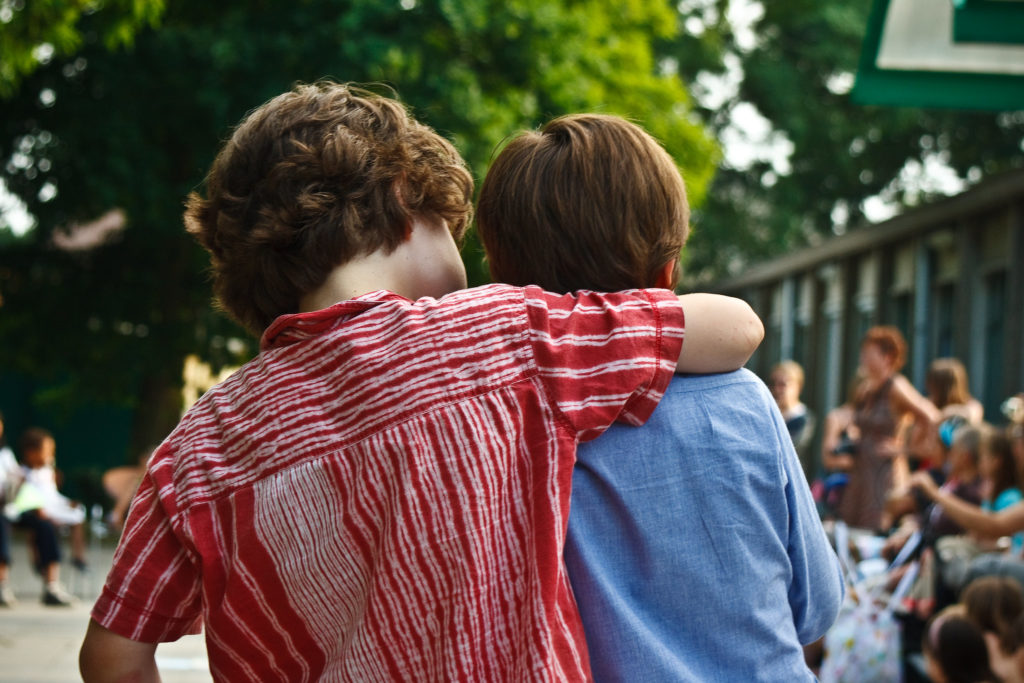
[
  {"x": 312, "y": 179},
  {"x": 591, "y": 201}
]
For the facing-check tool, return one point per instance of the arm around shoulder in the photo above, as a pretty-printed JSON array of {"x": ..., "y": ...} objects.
[
  {"x": 722, "y": 332},
  {"x": 107, "y": 657}
]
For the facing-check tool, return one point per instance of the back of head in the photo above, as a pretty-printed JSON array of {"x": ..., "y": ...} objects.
[
  {"x": 946, "y": 382},
  {"x": 994, "y": 603},
  {"x": 310, "y": 180},
  {"x": 958, "y": 646},
  {"x": 589, "y": 202},
  {"x": 968, "y": 439},
  {"x": 33, "y": 439}
]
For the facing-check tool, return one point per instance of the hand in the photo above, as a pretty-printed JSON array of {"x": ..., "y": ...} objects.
[{"x": 924, "y": 482}]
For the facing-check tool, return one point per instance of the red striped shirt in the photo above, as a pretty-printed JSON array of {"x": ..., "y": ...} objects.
[{"x": 382, "y": 494}]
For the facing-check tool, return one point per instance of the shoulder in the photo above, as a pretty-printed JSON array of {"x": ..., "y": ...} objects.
[
  {"x": 902, "y": 387},
  {"x": 736, "y": 403},
  {"x": 737, "y": 383}
]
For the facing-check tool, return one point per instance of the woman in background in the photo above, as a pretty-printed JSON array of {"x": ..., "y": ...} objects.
[
  {"x": 886, "y": 403},
  {"x": 947, "y": 389}
]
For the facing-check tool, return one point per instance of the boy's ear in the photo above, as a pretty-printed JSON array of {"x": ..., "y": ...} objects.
[{"x": 665, "y": 279}]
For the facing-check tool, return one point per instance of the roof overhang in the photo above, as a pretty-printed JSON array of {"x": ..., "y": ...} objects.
[{"x": 967, "y": 54}]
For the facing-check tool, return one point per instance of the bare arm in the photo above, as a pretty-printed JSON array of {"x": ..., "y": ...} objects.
[
  {"x": 722, "y": 332},
  {"x": 107, "y": 657},
  {"x": 837, "y": 420},
  {"x": 972, "y": 517},
  {"x": 910, "y": 399}
]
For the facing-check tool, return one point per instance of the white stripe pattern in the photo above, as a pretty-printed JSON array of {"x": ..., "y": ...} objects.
[{"x": 383, "y": 493}]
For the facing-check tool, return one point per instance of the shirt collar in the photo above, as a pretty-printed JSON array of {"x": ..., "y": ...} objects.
[{"x": 293, "y": 327}]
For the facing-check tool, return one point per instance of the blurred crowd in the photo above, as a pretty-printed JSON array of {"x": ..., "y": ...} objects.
[{"x": 900, "y": 464}]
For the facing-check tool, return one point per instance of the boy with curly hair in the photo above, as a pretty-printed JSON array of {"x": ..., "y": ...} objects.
[{"x": 382, "y": 493}]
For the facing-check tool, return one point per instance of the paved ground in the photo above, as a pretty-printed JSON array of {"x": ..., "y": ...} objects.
[{"x": 40, "y": 643}]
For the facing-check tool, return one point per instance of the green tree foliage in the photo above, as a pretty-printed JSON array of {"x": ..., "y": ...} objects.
[
  {"x": 797, "y": 73},
  {"x": 36, "y": 31},
  {"x": 135, "y": 128}
]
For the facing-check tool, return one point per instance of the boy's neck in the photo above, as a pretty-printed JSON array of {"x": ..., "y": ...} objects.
[{"x": 425, "y": 263}]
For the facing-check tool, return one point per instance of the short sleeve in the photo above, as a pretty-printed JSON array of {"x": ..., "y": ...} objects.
[
  {"x": 152, "y": 593},
  {"x": 605, "y": 357},
  {"x": 1008, "y": 498}
]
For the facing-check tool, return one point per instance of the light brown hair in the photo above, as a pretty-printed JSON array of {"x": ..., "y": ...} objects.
[
  {"x": 789, "y": 368},
  {"x": 890, "y": 342},
  {"x": 310, "y": 180},
  {"x": 946, "y": 383},
  {"x": 994, "y": 603},
  {"x": 999, "y": 447},
  {"x": 968, "y": 439},
  {"x": 591, "y": 201}
]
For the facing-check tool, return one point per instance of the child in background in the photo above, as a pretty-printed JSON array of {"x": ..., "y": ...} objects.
[
  {"x": 962, "y": 481},
  {"x": 994, "y": 604},
  {"x": 998, "y": 468},
  {"x": 786, "y": 381},
  {"x": 954, "y": 649},
  {"x": 39, "y": 471},
  {"x": 26, "y": 508}
]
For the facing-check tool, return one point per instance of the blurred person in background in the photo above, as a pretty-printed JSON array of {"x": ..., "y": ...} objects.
[
  {"x": 10, "y": 479},
  {"x": 954, "y": 649},
  {"x": 838, "y": 447},
  {"x": 994, "y": 604},
  {"x": 947, "y": 388},
  {"x": 120, "y": 483},
  {"x": 985, "y": 524},
  {"x": 1013, "y": 409},
  {"x": 786, "y": 381},
  {"x": 885, "y": 405},
  {"x": 26, "y": 509}
]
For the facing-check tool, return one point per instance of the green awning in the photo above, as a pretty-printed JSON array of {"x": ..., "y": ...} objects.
[
  {"x": 911, "y": 57},
  {"x": 988, "y": 21}
]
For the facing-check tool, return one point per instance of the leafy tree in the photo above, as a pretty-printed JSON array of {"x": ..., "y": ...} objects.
[
  {"x": 35, "y": 32},
  {"x": 135, "y": 128},
  {"x": 796, "y": 72}
]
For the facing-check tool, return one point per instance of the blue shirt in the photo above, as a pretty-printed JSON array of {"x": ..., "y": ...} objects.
[
  {"x": 695, "y": 550},
  {"x": 1007, "y": 498}
]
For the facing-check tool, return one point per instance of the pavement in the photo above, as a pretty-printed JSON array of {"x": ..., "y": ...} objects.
[{"x": 39, "y": 643}]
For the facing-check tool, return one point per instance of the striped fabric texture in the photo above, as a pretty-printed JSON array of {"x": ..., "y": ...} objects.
[{"x": 382, "y": 493}]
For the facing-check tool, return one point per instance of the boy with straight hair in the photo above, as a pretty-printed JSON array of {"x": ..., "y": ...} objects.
[
  {"x": 694, "y": 547},
  {"x": 382, "y": 494}
]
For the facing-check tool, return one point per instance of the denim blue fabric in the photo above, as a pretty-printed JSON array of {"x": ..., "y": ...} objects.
[{"x": 695, "y": 550}]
